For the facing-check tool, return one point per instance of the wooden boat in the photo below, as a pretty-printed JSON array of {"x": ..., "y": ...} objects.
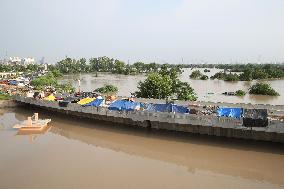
[{"x": 33, "y": 124}]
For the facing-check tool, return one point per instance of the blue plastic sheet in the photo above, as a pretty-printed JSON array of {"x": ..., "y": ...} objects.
[
  {"x": 121, "y": 105},
  {"x": 230, "y": 112},
  {"x": 167, "y": 108},
  {"x": 13, "y": 82},
  {"x": 95, "y": 103}
]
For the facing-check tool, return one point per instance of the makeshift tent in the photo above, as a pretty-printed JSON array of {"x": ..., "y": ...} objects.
[
  {"x": 96, "y": 103},
  {"x": 50, "y": 98},
  {"x": 86, "y": 100},
  {"x": 167, "y": 108},
  {"x": 255, "y": 118},
  {"x": 124, "y": 105},
  {"x": 230, "y": 112}
]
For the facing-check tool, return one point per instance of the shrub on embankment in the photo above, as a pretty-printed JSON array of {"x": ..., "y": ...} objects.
[{"x": 5, "y": 97}]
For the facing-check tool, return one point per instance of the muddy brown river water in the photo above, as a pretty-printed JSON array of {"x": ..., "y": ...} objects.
[
  {"x": 77, "y": 153},
  {"x": 128, "y": 84}
]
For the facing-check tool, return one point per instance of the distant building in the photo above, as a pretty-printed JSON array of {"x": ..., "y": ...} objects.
[
  {"x": 42, "y": 60},
  {"x": 18, "y": 60},
  {"x": 15, "y": 60},
  {"x": 27, "y": 61}
]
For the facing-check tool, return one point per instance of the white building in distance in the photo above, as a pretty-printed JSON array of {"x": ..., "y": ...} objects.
[{"x": 23, "y": 61}]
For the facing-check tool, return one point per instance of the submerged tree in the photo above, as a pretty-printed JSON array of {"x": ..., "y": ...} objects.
[
  {"x": 263, "y": 89},
  {"x": 240, "y": 93},
  {"x": 196, "y": 74},
  {"x": 155, "y": 86},
  {"x": 107, "y": 89},
  {"x": 165, "y": 84},
  {"x": 186, "y": 92}
]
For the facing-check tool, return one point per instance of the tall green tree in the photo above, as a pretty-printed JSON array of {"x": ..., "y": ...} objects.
[{"x": 155, "y": 86}]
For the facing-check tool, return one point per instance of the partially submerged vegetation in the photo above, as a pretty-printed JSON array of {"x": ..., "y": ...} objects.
[
  {"x": 240, "y": 93},
  {"x": 198, "y": 75},
  {"x": 263, "y": 89},
  {"x": 51, "y": 80},
  {"x": 107, "y": 89},
  {"x": 249, "y": 71},
  {"x": 165, "y": 84}
]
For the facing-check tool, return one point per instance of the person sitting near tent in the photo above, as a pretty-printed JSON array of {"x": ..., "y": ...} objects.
[{"x": 131, "y": 99}]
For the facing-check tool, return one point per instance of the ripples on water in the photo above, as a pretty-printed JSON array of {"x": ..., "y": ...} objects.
[
  {"x": 76, "y": 153},
  {"x": 128, "y": 84}
]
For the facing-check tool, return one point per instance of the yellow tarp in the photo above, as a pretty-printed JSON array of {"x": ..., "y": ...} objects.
[
  {"x": 50, "y": 98},
  {"x": 86, "y": 100}
]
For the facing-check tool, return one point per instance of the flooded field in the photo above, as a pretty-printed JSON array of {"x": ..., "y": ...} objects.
[
  {"x": 128, "y": 84},
  {"x": 76, "y": 153}
]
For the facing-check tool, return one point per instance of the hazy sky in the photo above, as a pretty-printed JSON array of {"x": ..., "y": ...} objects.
[{"x": 147, "y": 30}]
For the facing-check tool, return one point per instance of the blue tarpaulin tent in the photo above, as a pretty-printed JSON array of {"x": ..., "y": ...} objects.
[
  {"x": 96, "y": 103},
  {"x": 230, "y": 112},
  {"x": 167, "y": 108},
  {"x": 124, "y": 105}
]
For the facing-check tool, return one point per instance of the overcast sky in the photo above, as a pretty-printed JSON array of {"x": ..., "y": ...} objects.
[{"x": 148, "y": 30}]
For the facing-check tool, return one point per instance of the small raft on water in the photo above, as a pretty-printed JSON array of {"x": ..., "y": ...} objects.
[{"x": 33, "y": 124}]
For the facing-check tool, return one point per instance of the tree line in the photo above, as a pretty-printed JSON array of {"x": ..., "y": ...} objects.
[{"x": 105, "y": 64}]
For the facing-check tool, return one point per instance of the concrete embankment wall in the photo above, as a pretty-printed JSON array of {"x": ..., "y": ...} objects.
[
  {"x": 8, "y": 103},
  {"x": 209, "y": 125}
]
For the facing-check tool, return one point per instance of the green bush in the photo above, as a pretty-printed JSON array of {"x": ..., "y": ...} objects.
[
  {"x": 195, "y": 74},
  {"x": 240, "y": 93},
  {"x": 204, "y": 77},
  {"x": 5, "y": 97},
  {"x": 263, "y": 89},
  {"x": 231, "y": 77},
  {"x": 107, "y": 89}
]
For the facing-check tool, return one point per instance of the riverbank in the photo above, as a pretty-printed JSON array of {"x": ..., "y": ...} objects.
[{"x": 206, "y": 124}]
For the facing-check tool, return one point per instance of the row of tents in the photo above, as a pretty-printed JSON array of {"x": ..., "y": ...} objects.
[
  {"x": 124, "y": 105},
  {"x": 251, "y": 117}
]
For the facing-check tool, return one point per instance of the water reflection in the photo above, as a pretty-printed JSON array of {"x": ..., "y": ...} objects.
[{"x": 33, "y": 134}]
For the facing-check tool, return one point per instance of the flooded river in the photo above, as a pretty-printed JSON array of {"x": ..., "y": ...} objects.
[
  {"x": 75, "y": 153},
  {"x": 128, "y": 84}
]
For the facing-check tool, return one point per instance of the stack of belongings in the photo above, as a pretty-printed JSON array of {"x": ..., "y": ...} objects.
[
  {"x": 255, "y": 118},
  {"x": 230, "y": 112},
  {"x": 51, "y": 97},
  {"x": 86, "y": 100},
  {"x": 167, "y": 108},
  {"x": 99, "y": 101},
  {"x": 67, "y": 100},
  {"x": 124, "y": 105}
]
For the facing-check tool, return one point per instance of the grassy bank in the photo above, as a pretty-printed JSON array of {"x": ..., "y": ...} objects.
[{"x": 5, "y": 97}]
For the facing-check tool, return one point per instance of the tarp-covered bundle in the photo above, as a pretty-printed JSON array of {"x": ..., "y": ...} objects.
[
  {"x": 13, "y": 82},
  {"x": 167, "y": 108},
  {"x": 124, "y": 105},
  {"x": 86, "y": 100},
  {"x": 230, "y": 112},
  {"x": 50, "y": 98},
  {"x": 255, "y": 118},
  {"x": 95, "y": 103},
  {"x": 63, "y": 103}
]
